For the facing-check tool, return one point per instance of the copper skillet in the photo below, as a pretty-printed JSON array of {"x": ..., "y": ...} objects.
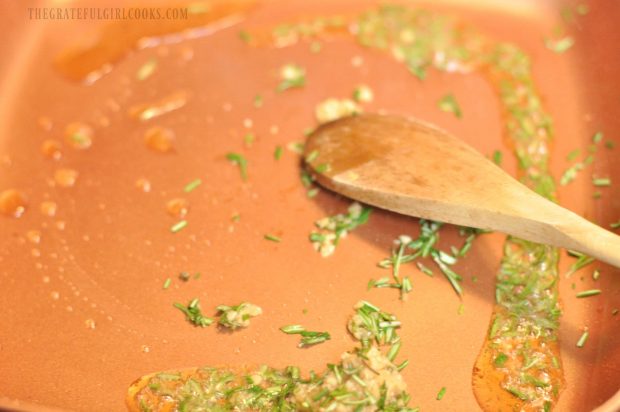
[{"x": 55, "y": 360}]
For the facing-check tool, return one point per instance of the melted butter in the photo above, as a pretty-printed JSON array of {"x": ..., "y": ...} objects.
[
  {"x": 13, "y": 203},
  {"x": 159, "y": 139},
  {"x": 177, "y": 207},
  {"x": 66, "y": 177},
  {"x": 51, "y": 149},
  {"x": 117, "y": 39},
  {"x": 79, "y": 135},
  {"x": 143, "y": 184},
  {"x": 147, "y": 111},
  {"x": 34, "y": 236},
  {"x": 48, "y": 208}
]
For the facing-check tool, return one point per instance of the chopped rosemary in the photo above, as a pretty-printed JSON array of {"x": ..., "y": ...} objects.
[
  {"x": 597, "y": 137},
  {"x": 371, "y": 325},
  {"x": 277, "y": 153},
  {"x": 292, "y": 329},
  {"x": 582, "y": 340},
  {"x": 424, "y": 269},
  {"x": 312, "y": 192},
  {"x": 560, "y": 45},
  {"x": 573, "y": 155},
  {"x": 449, "y": 104},
  {"x": 312, "y": 156},
  {"x": 272, "y": 238},
  {"x": 296, "y": 147},
  {"x": 610, "y": 144},
  {"x": 292, "y": 76},
  {"x": 519, "y": 394},
  {"x": 191, "y": 186},
  {"x": 193, "y": 313},
  {"x": 571, "y": 173},
  {"x": 363, "y": 94},
  {"x": 500, "y": 359},
  {"x": 615, "y": 225},
  {"x": 403, "y": 285},
  {"x": 147, "y": 69},
  {"x": 167, "y": 283},
  {"x": 81, "y": 139},
  {"x": 582, "y": 261},
  {"x": 322, "y": 168},
  {"x": 177, "y": 227},
  {"x": 333, "y": 228},
  {"x": 240, "y": 161},
  {"x": 402, "y": 366},
  {"x": 245, "y": 36},
  {"x": 393, "y": 352},
  {"x": 424, "y": 246},
  {"x": 497, "y": 157},
  {"x": 601, "y": 181},
  {"x": 588, "y": 293},
  {"x": 258, "y": 101},
  {"x": 248, "y": 139},
  {"x": 235, "y": 317},
  {"x": 308, "y": 338},
  {"x": 441, "y": 393}
]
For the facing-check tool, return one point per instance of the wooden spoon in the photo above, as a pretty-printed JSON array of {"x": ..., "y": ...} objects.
[{"x": 409, "y": 167}]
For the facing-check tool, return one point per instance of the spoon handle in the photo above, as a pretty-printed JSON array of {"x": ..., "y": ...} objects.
[
  {"x": 576, "y": 233},
  {"x": 546, "y": 222}
]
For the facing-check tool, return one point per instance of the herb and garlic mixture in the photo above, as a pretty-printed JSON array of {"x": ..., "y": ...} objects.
[
  {"x": 231, "y": 317},
  {"x": 365, "y": 379},
  {"x": 234, "y": 317},
  {"x": 332, "y": 229}
]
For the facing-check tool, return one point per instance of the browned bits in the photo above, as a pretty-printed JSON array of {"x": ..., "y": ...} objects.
[
  {"x": 48, "y": 208},
  {"x": 143, "y": 184},
  {"x": 51, "y": 149},
  {"x": 34, "y": 236},
  {"x": 159, "y": 139},
  {"x": 177, "y": 207},
  {"x": 12, "y": 203},
  {"x": 65, "y": 177}
]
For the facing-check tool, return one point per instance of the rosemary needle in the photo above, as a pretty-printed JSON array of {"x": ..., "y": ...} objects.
[
  {"x": 177, "y": 227},
  {"x": 582, "y": 340},
  {"x": 588, "y": 293}
]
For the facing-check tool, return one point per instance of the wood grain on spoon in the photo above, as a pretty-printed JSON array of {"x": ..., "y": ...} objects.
[{"x": 409, "y": 167}]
